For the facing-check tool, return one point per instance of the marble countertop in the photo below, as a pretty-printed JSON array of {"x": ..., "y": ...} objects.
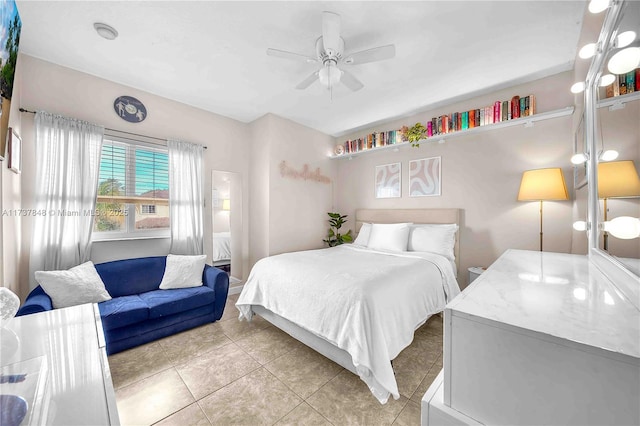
[{"x": 561, "y": 295}]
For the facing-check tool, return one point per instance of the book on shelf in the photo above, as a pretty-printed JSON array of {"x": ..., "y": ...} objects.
[
  {"x": 622, "y": 84},
  {"x": 515, "y": 107},
  {"x": 631, "y": 81}
]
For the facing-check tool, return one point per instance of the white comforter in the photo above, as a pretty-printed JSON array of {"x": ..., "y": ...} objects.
[
  {"x": 221, "y": 246},
  {"x": 365, "y": 302}
]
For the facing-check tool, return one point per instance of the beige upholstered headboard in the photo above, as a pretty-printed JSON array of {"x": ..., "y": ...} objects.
[{"x": 414, "y": 216}]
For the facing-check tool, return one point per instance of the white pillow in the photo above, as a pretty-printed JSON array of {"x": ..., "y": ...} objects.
[
  {"x": 363, "y": 236},
  {"x": 389, "y": 236},
  {"x": 80, "y": 284},
  {"x": 439, "y": 239},
  {"x": 183, "y": 271}
]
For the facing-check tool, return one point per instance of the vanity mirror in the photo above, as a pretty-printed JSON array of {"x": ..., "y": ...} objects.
[
  {"x": 226, "y": 196},
  {"x": 613, "y": 123}
]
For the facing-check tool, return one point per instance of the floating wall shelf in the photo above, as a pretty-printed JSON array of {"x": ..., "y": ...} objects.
[
  {"x": 617, "y": 102},
  {"x": 523, "y": 121}
]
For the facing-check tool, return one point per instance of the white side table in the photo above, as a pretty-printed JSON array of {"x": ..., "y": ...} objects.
[{"x": 474, "y": 272}]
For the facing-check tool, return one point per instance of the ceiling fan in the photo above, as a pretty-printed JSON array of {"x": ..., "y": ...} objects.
[{"x": 330, "y": 53}]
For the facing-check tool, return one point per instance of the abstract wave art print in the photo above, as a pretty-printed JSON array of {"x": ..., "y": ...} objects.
[
  {"x": 388, "y": 180},
  {"x": 424, "y": 177}
]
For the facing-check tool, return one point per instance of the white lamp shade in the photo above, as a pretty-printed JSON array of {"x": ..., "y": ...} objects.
[
  {"x": 624, "y": 61},
  {"x": 623, "y": 227}
]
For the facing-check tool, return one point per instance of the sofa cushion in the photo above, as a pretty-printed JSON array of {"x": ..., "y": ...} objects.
[
  {"x": 132, "y": 276},
  {"x": 122, "y": 311},
  {"x": 168, "y": 302}
]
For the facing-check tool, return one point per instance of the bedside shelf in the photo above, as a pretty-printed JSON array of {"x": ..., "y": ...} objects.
[{"x": 523, "y": 121}]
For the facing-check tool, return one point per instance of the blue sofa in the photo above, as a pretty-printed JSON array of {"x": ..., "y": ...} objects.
[{"x": 139, "y": 312}]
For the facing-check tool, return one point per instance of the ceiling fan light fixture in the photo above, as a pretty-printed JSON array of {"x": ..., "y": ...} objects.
[
  {"x": 329, "y": 75},
  {"x": 105, "y": 31}
]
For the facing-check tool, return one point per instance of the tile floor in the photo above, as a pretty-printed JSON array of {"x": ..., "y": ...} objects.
[{"x": 233, "y": 372}]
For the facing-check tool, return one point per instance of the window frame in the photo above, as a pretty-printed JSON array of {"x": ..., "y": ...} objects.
[{"x": 130, "y": 233}]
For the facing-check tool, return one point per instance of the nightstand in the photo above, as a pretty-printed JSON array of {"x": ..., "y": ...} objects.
[{"x": 474, "y": 272}]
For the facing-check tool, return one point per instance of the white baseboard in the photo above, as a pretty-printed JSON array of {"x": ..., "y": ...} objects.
[{"x": 236, "y": 289}]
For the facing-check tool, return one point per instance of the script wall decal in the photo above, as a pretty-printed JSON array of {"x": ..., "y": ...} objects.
[{"x": 286, "y": 171}]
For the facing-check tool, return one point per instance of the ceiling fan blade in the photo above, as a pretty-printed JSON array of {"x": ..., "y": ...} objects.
[
  {"x": 351, "y": 81},
  {"x": 371, "y": 55},
  {"x": 307, "y": 81},
  {"x": 331, "y": 32},
  {"x": 291, "y": 55}
]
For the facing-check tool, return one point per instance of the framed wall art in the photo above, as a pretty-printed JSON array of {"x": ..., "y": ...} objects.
[
  {"x": 387, "y": 180},
  {"x": 425, "y": 177},
  {"x": 14, "y": 144}
]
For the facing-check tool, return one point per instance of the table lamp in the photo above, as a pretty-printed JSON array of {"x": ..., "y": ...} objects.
[
  {"x": 543, "y": 185},
  {"x": 617, "y": 179}
]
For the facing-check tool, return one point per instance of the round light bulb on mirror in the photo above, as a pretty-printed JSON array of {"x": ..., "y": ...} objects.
[
  {"x": 623, "y": 227},
  {"x": 607, "y": 79},
  {"x": 587, "y": 51},
  {"x": 578, "y": 87},
  {"x": 624, "y": 61},
  {"x": 580, "y": 225},
  {"x": 624, "y": 39},
  {"x": 578, "y": 158},
  {"x": 597, "y": 6},
  {"x": 609, "y": 155}
]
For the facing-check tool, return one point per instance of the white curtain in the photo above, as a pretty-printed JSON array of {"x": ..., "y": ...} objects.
[
  {"x": 185, "y": 197},
  {"x": 67, "y": 166}
]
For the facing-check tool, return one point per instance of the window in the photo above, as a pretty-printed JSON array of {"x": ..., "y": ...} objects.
[
  {"x": 148, "y": 209},
  {"x": 133, "y": 191}
]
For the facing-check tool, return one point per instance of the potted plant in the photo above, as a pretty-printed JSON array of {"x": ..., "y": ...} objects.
[
  {"x": 334, "y": 238},
  {"x": 416, "y": 134}
]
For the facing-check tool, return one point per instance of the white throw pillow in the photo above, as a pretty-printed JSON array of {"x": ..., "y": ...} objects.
[
  {"x": 78, "y": 285},
  {"x": 363, "y": 236},
  {"x": 439, "y": 239},
  {"x": 183, "y": 271},
  {"x": 389, "y": 236}
]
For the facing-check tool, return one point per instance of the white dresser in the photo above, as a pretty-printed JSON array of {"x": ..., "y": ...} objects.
[
  {"x": 75, "y": 385},
  {"x": 539, "y": 338}
]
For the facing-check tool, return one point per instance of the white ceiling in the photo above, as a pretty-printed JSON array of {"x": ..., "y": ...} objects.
[{"x": 212, "y": 55}]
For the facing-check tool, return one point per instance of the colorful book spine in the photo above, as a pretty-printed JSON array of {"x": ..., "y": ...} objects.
[
  {"x": 496, "y": 112},
  {"x": 505, "y": 110},
  {"x": 464, "y": 120},
  {"x": 429, "y": 129},
  {"x": 622, "y": 84},
  {"x": 631, "y": 81},
  {"x": 532, "y": 104},
  {"x": 515, "y": 107},
  {"x": 637, "y": 79}
]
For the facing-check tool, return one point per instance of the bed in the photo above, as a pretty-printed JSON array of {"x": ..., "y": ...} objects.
[
  {"x": 357, "y": 305},
  {"x": 221, "y": 249}
]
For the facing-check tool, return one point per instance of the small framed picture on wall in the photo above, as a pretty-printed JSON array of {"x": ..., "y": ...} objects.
[
  {"x": 14, "y": 148},
  {"x": 425, "y": 177},
  {"x": 387, "y": 182}
]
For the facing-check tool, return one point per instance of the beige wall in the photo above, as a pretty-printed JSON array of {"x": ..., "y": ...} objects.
[
  {"x": 288, "y": 214},
  {"x": 481, "y": 175},
  {"x": 75, "y": 94}
]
